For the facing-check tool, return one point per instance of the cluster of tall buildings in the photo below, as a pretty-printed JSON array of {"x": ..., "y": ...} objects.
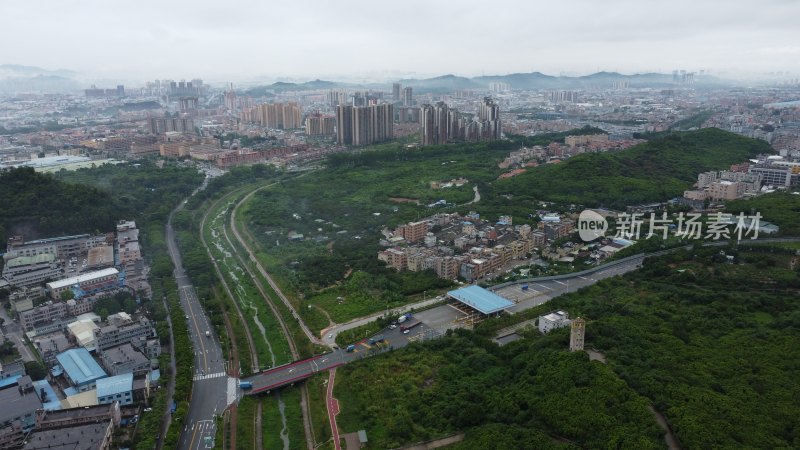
[
  {"x": 563, "y": 97},
  {"x": 95, "y": 92},
  {"x": 442, "y": 124},
  {"x": 160, "y": 125},
  {"x": 283, "y": 116},
  {"x": 319, "y": 125},
  {"x": 402, "y": 94},
  {"x": 364, "y": 125}
]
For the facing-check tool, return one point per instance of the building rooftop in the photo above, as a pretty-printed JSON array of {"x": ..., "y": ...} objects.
[
  {"x": 115, "y": 385},
  {"x": 82, "y": 437},
  {"x": 66, "y": 282},
  {"x": 56, "y": 239},
  {"x": 80, "y": 366},
  {"x": 124, "y": 353},
  {"x": 17, "y": 404},
  {"x": 556, "y": 316},
  {"x": 50, "y": 401},
  {"x": 102, "y": 255},
  {"x": 485, "y": 301},
  {"x": 79, "y": 399},
  {"x": 83, "y": 330},
  {"x": 28, "y": 260}
]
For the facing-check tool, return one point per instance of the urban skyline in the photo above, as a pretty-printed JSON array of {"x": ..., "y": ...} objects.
[{"x": 239, "y": 42}]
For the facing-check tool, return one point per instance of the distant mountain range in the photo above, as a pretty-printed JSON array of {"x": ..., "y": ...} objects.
[
  {"x": 533, "y": 80},
  {"x": 17, "y": 78}
]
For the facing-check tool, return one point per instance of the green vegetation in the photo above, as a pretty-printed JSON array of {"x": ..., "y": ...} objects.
[
  {"x": 464, "y": 383},
  {"x": 35, "y": 370},
  {"x": 711, "y": 342},
  {"x": 313, "y": 238},
  {"x": 714, "y": 345},
  {"x": 780, "y": 208},
  {"x": 8, "y": 352},
  {"x": 120, "y": 302},
  {"x": 38, "y": 205},
  {"x": 317, "y": 393},
  {"x": 273, "y": 425},
  {"x": 246, "y": 423},
  {"x": 693, "y": 121},
  {"x": 654, "y": 171}
]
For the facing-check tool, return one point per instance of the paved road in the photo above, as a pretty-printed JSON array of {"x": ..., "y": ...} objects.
[
  {"x": 446, "y": 316},
  {"x": 14, "y": 333},
  {"x": 300, "y": 370},
  {"x": 333, "y": 410},
  {"x": 209, "y": 390},
  {"x": 439, "y": 318},
  {"x": 543, "y": 291},
  {"x": 329, "y": 334}
]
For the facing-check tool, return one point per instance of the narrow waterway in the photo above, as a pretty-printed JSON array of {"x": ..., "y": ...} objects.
[
  {"x": 285, "y": 428},
  {"x": 243, "y": 300}
]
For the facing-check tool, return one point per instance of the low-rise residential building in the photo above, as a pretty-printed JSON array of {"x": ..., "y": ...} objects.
[
  {"x": 150, "y": 347},
  {"x": 556, "y": 319},
  {"x": 122, "y": 331},
  {"x": 51, "y": 315},
  {"x": 726, "y": 190},
  {"x": 49, "y": 346},
  {"x": 47, "y": 312},
  {"x": 124, "y": 359}
]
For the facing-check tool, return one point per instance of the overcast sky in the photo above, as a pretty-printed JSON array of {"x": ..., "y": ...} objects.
[{"x": 239, "y": 40}]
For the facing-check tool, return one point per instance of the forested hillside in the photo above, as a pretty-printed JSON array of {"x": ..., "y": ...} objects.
[
  {"x": 710, "y": 342},
  {"x": 654, "y": 171},
  {"x": 38, "y": 205}
]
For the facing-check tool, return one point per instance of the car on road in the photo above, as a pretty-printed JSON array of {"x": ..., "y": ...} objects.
[
  {"x": 148, "y": 409},
  {"x": 330, "y": 336},
  {"x": 406, "y": 331},
  {"x": 187, "y": 317},
  {"x": 392, "y": 327}
]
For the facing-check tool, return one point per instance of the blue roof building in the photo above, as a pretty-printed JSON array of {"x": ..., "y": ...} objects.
[
  {"x": 47, "y": 395},
  {"x": 80, "y": 368},
  {"x": 118, "y": 388},
  {"x": 484, "y": 301}
]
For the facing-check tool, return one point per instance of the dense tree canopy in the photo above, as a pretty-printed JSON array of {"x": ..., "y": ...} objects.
[{"x": 655, "y": 171}]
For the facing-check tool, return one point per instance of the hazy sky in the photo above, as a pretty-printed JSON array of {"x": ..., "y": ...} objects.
[{"x": 238, "y": 40}]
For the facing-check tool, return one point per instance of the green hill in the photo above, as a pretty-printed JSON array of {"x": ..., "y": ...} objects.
[
  {"x": 654, "y": 171},
  {"x": 38, "y": 205}
]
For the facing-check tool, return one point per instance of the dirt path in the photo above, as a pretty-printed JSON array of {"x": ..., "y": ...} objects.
[
  {"x": 669, "y": 436},
  {"x": 476, "y": 198}
]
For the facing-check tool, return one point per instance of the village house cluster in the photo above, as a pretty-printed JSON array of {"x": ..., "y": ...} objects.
[{"x": 469, "y": 247}]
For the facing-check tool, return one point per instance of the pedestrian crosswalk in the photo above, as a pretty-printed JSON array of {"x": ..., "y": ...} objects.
[{"x": 199, "y": 377}]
